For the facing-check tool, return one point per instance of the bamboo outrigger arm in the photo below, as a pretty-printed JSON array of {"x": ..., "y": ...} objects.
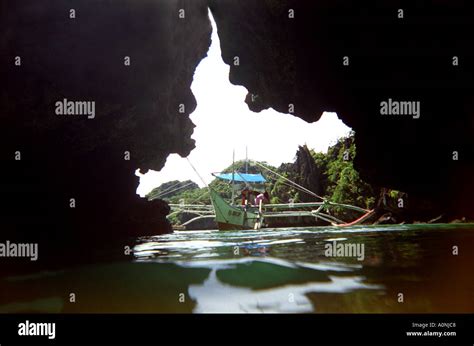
[{"x": 359, "y": 220}]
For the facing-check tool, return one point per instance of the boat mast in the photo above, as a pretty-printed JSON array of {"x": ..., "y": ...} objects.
[{"x": 246, "y": 161}]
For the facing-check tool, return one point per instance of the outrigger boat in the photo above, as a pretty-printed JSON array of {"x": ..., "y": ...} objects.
[
  {"x": 255, "y": 215},
  {"x": 229, "y": 216}
]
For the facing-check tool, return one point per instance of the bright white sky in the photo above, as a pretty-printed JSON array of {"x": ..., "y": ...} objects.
[{"x": 222, "y": 120}]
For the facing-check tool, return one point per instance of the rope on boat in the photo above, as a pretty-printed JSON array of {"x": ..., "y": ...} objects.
[
  {"x": 195, "y": 170},
  {"x": 292, "y": 186},
  {"x": 169, "y": 188},
  {"x": 302, "y": 188},
  {"x": 164, "y": 193}
]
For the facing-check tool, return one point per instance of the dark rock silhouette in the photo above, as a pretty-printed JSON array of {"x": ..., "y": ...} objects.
[{"x": 137, "y": 122}]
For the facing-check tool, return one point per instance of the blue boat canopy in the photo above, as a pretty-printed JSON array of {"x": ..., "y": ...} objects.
[{"x": 242, "y": 177}]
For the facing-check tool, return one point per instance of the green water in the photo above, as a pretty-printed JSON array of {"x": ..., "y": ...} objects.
[{"x": 271, "y": 270}]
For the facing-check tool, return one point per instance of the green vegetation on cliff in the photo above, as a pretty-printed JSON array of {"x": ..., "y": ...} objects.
[{"x": 342, "y": 183}]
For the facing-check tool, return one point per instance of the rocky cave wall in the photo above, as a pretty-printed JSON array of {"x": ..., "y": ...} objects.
[{"x": 137, "y": 122}]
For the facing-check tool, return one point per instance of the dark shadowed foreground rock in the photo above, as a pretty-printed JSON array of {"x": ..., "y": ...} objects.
[{"x": 137, "y": 120}]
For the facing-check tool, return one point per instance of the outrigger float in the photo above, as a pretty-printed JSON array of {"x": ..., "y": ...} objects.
[{"x": 257, "y": 214}]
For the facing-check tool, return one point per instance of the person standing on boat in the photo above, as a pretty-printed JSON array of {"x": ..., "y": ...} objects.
[
  {"x": 249, "y": 196},
  {"x": 263, "y": 197},
  {"x": 245, "y": 196}
]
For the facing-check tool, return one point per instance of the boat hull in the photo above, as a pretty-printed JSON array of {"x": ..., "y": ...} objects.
[{"x": 230, "y": 217}]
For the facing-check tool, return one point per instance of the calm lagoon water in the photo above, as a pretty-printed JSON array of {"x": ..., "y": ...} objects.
[{"x": 267, "y": 271}]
